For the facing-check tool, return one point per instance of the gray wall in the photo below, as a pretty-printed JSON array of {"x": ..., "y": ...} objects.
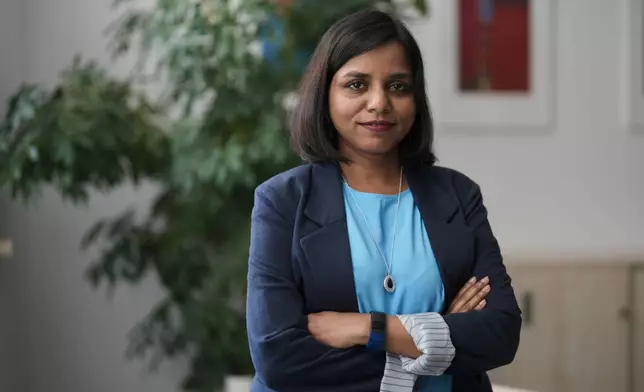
[
  {"x": 58, "y": 335},
  {"x": 11, "y": 73}
]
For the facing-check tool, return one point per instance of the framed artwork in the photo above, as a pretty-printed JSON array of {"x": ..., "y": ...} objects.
[
  {"x": 634, "y": 61},
  {"x": 496, "y": 63}
]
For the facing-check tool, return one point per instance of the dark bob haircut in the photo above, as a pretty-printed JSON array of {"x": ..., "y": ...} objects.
[{"x": 313, "y": 136}]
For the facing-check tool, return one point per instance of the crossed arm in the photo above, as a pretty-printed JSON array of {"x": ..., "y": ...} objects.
[
  {"x": 344, "y": 330},
  {"x": 287, "y": 346}
]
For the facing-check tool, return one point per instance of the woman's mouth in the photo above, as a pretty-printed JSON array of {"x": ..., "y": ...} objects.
[{"x": 378, "y": 126}]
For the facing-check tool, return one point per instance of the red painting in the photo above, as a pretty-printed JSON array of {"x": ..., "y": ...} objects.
[{"x": 494, "y": 40}]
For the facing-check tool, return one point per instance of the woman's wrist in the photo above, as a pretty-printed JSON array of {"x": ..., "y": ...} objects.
[{"x": 363, "y": 330}]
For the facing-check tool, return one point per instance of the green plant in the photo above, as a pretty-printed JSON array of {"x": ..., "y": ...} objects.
[{"x": 207, "y": 140}]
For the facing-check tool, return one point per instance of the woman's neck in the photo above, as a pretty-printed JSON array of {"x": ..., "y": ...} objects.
[{"x": 373, "y": 175}]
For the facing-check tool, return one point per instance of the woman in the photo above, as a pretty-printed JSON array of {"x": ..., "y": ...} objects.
[{"x": 357, "y": 257}]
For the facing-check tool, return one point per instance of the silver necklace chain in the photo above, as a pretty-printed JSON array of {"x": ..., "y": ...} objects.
[{"x": 373, "y": 237}]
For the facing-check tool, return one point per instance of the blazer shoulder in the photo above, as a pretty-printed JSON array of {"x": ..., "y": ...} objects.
[
  {"x": 285, "y": 189},
  {"x": 285, "y": 182},
  {"x": 456, "y": 180}
]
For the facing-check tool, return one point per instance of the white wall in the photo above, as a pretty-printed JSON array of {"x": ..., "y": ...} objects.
[{"x": 579, "y": 188}]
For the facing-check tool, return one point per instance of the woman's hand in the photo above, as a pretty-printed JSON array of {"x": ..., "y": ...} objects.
[
  {"x": 471, "y": 297},
  {"x": 340, "y": 330},
  {"x": 344, "y": 330}
]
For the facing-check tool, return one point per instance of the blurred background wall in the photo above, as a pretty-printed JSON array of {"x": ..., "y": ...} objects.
[
  {"x": 571, "y": 192},
  {"x": 11, "y": 304}
]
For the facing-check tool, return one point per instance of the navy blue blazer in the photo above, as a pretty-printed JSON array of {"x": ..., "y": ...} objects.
[{"x": 300, "y": 263}]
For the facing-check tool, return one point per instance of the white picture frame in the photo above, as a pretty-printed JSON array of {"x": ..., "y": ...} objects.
[
  {"x": 633, "y": 80},
  {"x": 493, "y": 110}
]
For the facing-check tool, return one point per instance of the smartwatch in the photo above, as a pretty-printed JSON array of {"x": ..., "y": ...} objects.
[{"x": 378, "y": 335}]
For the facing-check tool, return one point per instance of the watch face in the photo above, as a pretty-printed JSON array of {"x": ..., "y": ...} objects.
[{"x": 378, "y": 321}]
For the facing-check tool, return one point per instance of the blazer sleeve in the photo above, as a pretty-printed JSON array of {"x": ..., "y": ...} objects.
[
  {"x": 486, "y": 339},
  {"x": 285, "y": 355}
]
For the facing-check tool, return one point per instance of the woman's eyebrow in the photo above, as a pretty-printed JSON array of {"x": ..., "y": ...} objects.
[{"x": 362, "y": 75}]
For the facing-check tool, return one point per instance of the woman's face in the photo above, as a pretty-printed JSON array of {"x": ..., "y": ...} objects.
[{"x": 371, "y": 102}]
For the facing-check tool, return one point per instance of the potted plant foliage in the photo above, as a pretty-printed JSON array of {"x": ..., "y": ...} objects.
[{"x": 207, "y": 140}]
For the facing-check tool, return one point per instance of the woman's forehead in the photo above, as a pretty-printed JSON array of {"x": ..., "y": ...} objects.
[{"x": 386, "y": 60}]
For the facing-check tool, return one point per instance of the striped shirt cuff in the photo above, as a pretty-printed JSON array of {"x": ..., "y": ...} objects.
[{"x": 432, "y": 337}]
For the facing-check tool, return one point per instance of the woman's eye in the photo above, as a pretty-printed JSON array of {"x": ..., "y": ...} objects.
[
  {"x": 398, "y": 87},
  {"x": 356, "y": 85}
]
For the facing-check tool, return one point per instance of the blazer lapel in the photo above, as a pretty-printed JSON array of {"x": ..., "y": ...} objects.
[
  {"x": 328, "y": 267},
  {"x": 449, "y": 240},
  {"x": 326, "y": 246}
]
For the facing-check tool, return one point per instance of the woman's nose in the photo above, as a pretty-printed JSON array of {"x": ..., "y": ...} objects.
[{"x": 379, "y": 101}]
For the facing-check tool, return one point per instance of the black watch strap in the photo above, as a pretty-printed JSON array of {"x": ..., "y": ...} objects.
[{"x": 378, "y": 335}]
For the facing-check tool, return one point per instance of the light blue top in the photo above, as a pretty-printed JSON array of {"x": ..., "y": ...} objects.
[{"x": 419, "y": 287}]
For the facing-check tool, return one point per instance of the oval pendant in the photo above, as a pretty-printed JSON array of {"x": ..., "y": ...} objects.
[{"x": 389, "y": 284}]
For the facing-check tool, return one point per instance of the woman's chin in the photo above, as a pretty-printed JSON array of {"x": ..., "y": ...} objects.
[
  {"x": 370, "y": 147},
  {"x": 377, "y": 151}
]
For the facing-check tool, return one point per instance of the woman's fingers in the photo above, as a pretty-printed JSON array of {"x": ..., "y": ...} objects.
[
  {"x": 481, "y": 305},
  {"x": 477, "y": 298},
  {"x": 466, "y": 286},
  {"x": 470, "y": 296},
  {"x": 459, "y": 301}
]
